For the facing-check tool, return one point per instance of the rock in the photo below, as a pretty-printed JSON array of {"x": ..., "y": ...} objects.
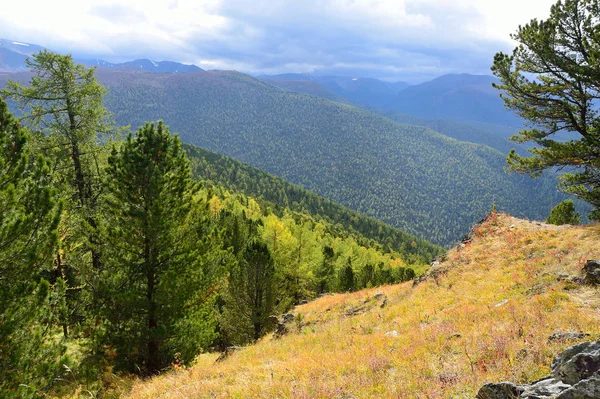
[
  {"x": 287, "y": 318},
  {"x": 566, "y": 336},
  {"x": 547, "y": 387},
  {"x": 500, "y": 390},
  {"x": 303, "y": 302},
  {"x": 586, "y": 389},
  {"x": 384, "y": 303},
  {"x": 575, "y": 375},
  {"x": 393, "y": 333},
  {"x": 577, "y": 363},
  {"x": 366, "y": 304},
  {"x": 591, "y": 272},
  {"x": 280, "y": 330},
  {"x": 227, "y": 352},
  {"x": 448, "y": 378},
  {"x": 434, "y": 273},
  {"x": 501, "y": 303}
]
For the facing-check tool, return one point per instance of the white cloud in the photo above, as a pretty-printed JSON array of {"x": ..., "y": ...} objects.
[{"x": 274, "y": 35}]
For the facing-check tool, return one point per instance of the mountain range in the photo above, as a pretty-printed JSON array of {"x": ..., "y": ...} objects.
[
  {"x": 431, "y": 178},
  {"x": 13, "y": 55},
  {"x": 368, "y": 92}
]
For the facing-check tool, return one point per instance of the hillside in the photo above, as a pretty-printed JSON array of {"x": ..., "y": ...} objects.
[
  {"x": 410, "y": 177},
  {"x": 486, "y": 316},
  {"x": 365, "y": 92},
  {"x": 494, "y": 136},
  {"x": 278, "y": 195},
  {"x": 455, "y": 97}
]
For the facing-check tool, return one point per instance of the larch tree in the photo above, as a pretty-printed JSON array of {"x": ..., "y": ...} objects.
[
  {"x": 62, "y": 105},
  {"x": 552, "y": 80}
]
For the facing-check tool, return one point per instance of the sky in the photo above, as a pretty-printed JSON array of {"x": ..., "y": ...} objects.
[{"x": 409, "y": 40}]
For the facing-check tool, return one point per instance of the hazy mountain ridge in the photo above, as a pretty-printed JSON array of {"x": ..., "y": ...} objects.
[
  {"x": 410, "y": 177},
  {"x": 144, "y": 65},
  {"x": 368, "y": 92},
  {"x": 13, "y": 55},
  {"x": 457, "y": 97}
]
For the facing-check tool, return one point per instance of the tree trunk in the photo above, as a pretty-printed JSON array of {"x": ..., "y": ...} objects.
[{"x": 152, "y": 364}]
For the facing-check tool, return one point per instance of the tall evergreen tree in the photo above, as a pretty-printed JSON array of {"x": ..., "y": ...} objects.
[
  {"x": 249, "y": 300},
  {"x": 63, "y": 106},
  {"x": 552, "y": 79},
  {"x": 29, "y": 214},
  {"x": 156, "y": 277}
]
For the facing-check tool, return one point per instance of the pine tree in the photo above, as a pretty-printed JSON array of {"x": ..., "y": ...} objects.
[
  {"x": 156, "y": 283},
  {"x": 29, "y": 216},
  {"x": 552, "y": 80},
  {"x": 250, "y": 297},
  {"x": 564, "y": 213},
  {"x": 347, "y": 278}
]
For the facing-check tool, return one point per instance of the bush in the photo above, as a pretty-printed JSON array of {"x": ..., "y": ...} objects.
[{"x": 564, "y": 213}]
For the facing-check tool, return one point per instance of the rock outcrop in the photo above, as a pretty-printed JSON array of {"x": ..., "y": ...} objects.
[
  {"x": 591, "y": 272},
  {"x": 575, "y": 375}
]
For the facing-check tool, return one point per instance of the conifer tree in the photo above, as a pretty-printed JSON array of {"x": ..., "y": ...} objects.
[
  {"x": 29, "y": 214},
  {"x": 156, "y": 280},
  {"x": 552, "y": 81},
  {"x": 564, "y": 213},
  {"x": 249, "y": 300},
  {"x": 63, "y": 107}
]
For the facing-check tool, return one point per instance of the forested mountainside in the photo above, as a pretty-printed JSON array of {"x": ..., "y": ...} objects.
[
  {"x": 410, "y": 177},
  {"x": 495, "y": 136},
  {"x": 278, "y": 196},
  {"x": 360, "y": 91},
  {"x": 117, "y": 262},
  {"x": 460, "y": 97},
  {"x": 307, "y": 87}
]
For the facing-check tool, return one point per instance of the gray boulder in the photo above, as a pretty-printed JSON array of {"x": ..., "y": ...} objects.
[
  {"x": 566, "y": 336},
  {"x": 586, "y": 389},
  {"x": 575, "y": 375},
  {"x": 545, "y": 388},
  {"x": 591, "y": 272},
  {"x": 500, "y": 390},
  {"x": 577, "y": 363}
]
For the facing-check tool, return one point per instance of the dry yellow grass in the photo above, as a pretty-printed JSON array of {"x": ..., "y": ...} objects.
[{"x": 487, "y": 319}]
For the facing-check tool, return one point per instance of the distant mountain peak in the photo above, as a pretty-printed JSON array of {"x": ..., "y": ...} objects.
[{"x": 13, "y": 54}]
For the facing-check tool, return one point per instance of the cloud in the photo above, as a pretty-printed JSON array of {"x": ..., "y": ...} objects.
[{"x": 391, "y": 39}]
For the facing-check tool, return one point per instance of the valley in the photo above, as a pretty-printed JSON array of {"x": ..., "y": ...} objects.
[{"x": 324, "y": 199}]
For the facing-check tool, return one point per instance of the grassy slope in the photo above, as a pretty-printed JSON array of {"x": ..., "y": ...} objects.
[{"x": 454, "y": 333}]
